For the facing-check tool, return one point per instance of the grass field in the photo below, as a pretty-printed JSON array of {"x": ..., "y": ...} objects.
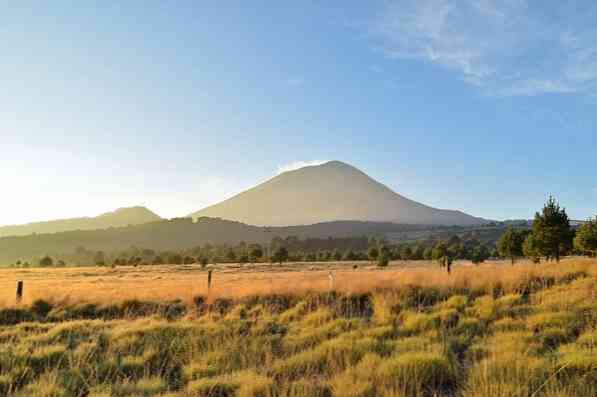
[
  {"x": 104, "y": 284},
  {"x": 408, "y": 330}
]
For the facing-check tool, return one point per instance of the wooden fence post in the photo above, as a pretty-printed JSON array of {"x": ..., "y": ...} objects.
[
  {"x": 332, "y": 279},
  {"x": 209, "y": 280},
  {"x": 19, "y": 291}
]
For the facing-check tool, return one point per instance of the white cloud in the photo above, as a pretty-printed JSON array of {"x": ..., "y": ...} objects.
[
  {"x": 299, "y": 164},
  {"x": 504, "y": 47}
]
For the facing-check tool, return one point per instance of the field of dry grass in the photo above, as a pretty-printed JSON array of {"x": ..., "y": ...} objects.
[
  {"x": 268, "y": 331},
  {"x": 169, "y": 282}
]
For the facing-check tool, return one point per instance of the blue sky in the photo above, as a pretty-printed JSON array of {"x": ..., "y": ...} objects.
[{"x": 479, "y": 105}]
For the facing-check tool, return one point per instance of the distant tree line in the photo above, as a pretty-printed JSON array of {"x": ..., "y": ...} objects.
[
  {"x": 280, "y": 250},
  {"x": 550, "y": 237}
]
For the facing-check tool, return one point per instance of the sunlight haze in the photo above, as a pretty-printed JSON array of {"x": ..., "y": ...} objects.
[{"x": 106, "y": 105}]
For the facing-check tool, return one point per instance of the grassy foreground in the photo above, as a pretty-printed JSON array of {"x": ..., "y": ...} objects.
[{"x": 516, "y": 331}]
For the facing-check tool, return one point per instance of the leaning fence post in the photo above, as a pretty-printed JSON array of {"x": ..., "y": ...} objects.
[
  {"x": 19, "y": 291},
  {"x": 209, "y": 281}
]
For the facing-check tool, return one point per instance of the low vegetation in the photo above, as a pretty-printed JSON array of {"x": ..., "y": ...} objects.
[{"x": 524, "y": 331}]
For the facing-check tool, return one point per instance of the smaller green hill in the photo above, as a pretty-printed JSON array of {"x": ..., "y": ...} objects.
[{"x": 120, "y": 217}]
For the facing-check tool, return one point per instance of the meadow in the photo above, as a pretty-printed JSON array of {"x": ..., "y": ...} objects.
[{"x": 266, "y": 330}]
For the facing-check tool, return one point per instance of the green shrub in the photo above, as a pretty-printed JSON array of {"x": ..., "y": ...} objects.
[{"x": 41, "y": 308}]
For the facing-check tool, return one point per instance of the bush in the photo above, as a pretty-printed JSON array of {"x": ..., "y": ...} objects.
[{"x": 41, "y": 308}]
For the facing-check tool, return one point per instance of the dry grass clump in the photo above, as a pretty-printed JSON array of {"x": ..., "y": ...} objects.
[
  {"x": 509, "y": 324},
  {"x": 470, "y": 335},
  {"x": 509, "y": 374},
  {"x": 329, "y": 357},
  {"x": 456, "y": 302},
  {"x": 577, "y": 363},
  {"x": 240, "y": 384},
  {"x": 414, "y": 323},
  {"x": 419, "y": 374},
  {"x": 358, "y": 380}
]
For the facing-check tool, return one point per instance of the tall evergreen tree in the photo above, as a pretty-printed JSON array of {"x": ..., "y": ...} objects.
[{"x": 551, "y": 230}]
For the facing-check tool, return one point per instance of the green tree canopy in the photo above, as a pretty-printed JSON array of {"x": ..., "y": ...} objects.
[
  {"x": 46, "y": 261},
  {"x": 383, "y": 257},
  {"x": 280, "y": 255},
  {"x": 552, "y": 235},
  {"x": 440, "y": 252},
  {"x": 530, "y": 248},
  {"x": 373, "y": 253},
  {"x": 510, "y": 244},
  {"x": 586, "y": 238},
  {"x": 480, "y": 254},
  {"x": 255, "y": 253},
  {"x": 406, "y": 253}
]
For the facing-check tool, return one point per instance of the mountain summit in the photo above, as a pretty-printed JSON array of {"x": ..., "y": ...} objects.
[
  {"x": 328, "y": 192},
  {"x": 120, "y": 217}
]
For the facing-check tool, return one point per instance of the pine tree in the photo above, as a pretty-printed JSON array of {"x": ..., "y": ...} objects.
[{"x": 552, "y": 235}]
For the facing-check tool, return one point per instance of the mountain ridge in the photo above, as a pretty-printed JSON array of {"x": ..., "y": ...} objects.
[
  {"x": 183, "y": 233},
  {"x": 329, "y": 192},
  {"x": 123, "y": 216}
]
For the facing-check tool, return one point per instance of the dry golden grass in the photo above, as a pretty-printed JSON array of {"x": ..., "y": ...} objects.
[
  {"x": 168, "y": 282},
  {"x": 493, "y": 330}
]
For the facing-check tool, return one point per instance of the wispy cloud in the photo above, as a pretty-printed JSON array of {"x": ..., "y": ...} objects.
[
  {"x": 504, "y": 47},
  {"x": 299, "y": 164}
]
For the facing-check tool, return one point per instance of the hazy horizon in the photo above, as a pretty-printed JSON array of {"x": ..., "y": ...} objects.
[{"x": 175, "y": 108}]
